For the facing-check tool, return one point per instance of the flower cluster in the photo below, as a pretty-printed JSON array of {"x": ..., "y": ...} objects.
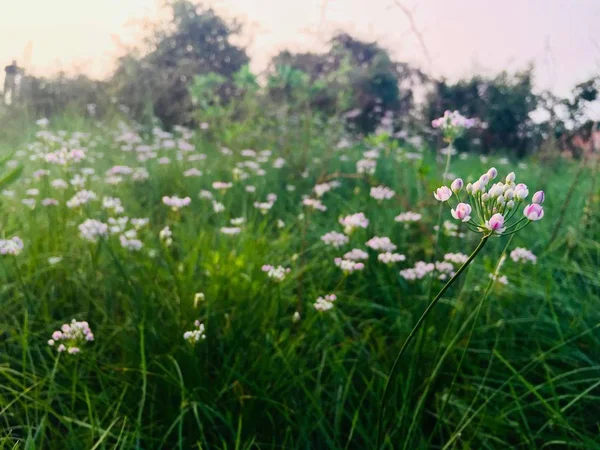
[
  {"x": 112, "y": 204},
  {"x": 366, "y": 166},
  {"x": 194, "y": 336},
  {"x": 322, "y": 188},
  {"x": 71, "y": 336},
  {"x": 230, "y": 231},
  {"x": 325, "y": 303},
  {"x": 390, "y": 258},
  {"x": 314, "y": 204},
  {"x": 354, "y": 221},
  {"x": 453, "y": 124},
  {"x": 335, "y": 239},
  {"x": 277, "y": 274},
  {"x": 456, "y": 258},
  {"x": 489, "y": 209},
  {"x": 356, "y": 254},
  {"x": 91, "y": 230},
  {"x": 12, "y": 246},
  {"x": 382, "y": 193},
  {"x": 443, "y": 270},
  {"x": 408, "y": 216},
  {"x": 383, "y": 244},
  {"x": 81, "y": 198},
  {"x": 265, "y": 207},
  {"x": 176, "y": 203},
  {"x": 420, "y": 270},
  {"x": 522, "y": 255},
  {"x": 348, "y": 266},
  {"x": 128, "y": 241},
  {"x": 166, "y": 236}
]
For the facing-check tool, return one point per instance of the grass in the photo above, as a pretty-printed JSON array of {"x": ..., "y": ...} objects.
[{"x": 495, "y": 366}]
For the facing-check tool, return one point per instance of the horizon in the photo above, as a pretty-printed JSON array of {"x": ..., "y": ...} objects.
[{"x": 87, "y": 37}]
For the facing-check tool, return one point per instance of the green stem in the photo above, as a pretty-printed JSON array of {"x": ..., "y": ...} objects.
[
  {"x": 415, "y": 329},
  {"x": 477, "y": 310}
]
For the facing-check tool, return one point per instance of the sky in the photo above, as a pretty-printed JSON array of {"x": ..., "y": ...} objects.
[{"x": 461, "y": 37}]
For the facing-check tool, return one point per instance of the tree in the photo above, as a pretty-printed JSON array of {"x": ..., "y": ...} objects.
[
  {"x": 195, "y": 41},
  {"x": 353, "y": 77},
  {"x": 503, "y": 102}
]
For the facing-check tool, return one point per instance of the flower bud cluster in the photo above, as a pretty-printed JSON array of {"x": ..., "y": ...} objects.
[
  {"x": 491, "y": 208},
  {"x": 12, "y": 246},
  {"x": 325, "y": 303},
  {"x": 194, "y": 336},
  {"x": 354, "y": 221},
  {"x": 277, "y": 274},
  {"x": 71, "y": 336},
  {"x": 453, "y": 124}
]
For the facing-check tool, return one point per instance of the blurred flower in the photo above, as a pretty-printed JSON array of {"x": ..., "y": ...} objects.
[
  {"x": 348, "y": 266},
  {"x": 196, "y": 335},
  {"x": 12, "y": 246},
  {"x": 382, "y": 193},
  {"x": 198, "y": 297},
  {"x": 231, "y": 230},
  {"x": 408, "y": 217},
  {"x": 325, "y": 303},
  {"x": 166, "y": 236},
  {"x": 390, "y": 258},
  {"x": 522, "y": 255},
  {"x": 91, "y": 230},
  {"x": 354, "y": 221},
  {"x": 314, "y": 204},
  {"x": 335, "y": 239},
  {"x": 383, "y": 244},
  {"x": 54, "y": 260},
  {"x": 71, "y": 337},
  {"x": 277, "y": 274},
  {"x": 176, "y": 203}
]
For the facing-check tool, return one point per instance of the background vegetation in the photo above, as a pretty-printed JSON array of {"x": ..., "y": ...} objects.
[{"x": 515, "y": 367}]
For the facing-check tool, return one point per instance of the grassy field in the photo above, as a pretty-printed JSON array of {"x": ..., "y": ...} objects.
[{"x": 511, "y": 361}]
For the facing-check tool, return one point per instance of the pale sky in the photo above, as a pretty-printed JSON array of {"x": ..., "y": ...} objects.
[{"x": 462, "y": 36}]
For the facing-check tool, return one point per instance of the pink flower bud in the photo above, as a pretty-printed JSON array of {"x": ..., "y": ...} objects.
[
  {"x": 510, "y": 178},
  {"x": 538, "y": 197},
  {"x": 521, "y": 191},
  {"x": 496, "y": 223},
  {"x": 442, "y": 194},
  {"x": 457, "y": 185},
  {"x": 462, "y": 212},
  {"x": 492, "y": 173},
  {"x": 533, "y": 212}
]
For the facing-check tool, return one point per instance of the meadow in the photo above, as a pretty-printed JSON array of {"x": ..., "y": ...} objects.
[{"x": 227, "y": 295}]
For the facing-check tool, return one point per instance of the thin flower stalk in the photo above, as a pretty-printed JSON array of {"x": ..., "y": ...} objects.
[{"x": 414, "y": 330}]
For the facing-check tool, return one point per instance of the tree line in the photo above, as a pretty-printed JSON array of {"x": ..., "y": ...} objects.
[{"x": 190, "y": 64}]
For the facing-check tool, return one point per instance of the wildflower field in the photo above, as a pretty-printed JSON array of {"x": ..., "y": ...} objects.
[{"x": 259, "y": 287}]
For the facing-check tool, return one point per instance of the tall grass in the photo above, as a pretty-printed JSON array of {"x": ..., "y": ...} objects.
[{"x": 497, "y": 366}]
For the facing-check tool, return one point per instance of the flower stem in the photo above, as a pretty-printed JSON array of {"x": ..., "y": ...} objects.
[{"x": 414, "y": 331}]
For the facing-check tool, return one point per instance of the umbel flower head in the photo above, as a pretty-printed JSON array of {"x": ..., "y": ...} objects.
[
  {"x": 492, "y": 209},
  {"x": 71, "y": 336},
  {"x": 453, "y": 124}
]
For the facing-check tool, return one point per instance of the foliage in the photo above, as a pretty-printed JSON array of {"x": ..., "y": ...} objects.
[
  {"x": 503, "y": 102},
  {"x": 353, "y": 76},
  {"x": 195, "y": 41},
  {"x": 261, "y": 380}
]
